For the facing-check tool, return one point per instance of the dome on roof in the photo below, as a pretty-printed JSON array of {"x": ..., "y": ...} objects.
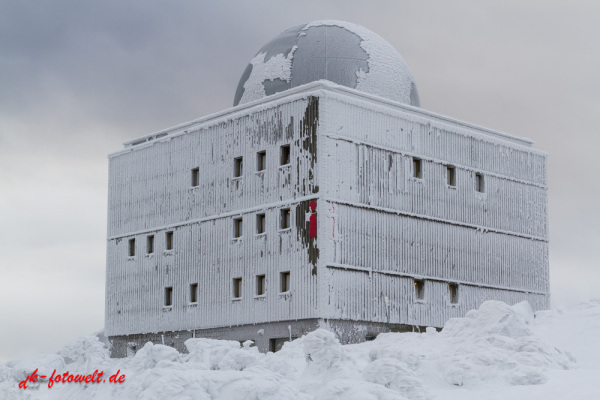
[{"x": 341, "y": 52}]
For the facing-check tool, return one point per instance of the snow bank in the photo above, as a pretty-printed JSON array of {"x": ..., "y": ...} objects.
[{"x": 495, "y": 347}]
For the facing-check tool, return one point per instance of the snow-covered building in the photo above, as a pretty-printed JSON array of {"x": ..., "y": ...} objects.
[{"x": 326, "y": 197}]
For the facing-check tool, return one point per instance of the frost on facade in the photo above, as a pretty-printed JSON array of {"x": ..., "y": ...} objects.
[{"x": 324, "y": 198}]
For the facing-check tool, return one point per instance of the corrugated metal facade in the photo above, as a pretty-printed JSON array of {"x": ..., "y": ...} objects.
[
  {"x": 379, "y": 228},
  {"x": 386, "y": 228},
  {"x": 150, "y": 193}
]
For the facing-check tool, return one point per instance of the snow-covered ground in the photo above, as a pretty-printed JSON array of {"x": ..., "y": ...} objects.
[{"x": 496, "y": 352}]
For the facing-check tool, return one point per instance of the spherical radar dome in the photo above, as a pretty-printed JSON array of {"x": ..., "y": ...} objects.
[{"x": 341, "y": 52}]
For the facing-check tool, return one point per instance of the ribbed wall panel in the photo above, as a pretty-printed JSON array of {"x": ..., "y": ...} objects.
[
  {"x": 397, "y": 129},
  {"x": 385, "y": 227},
  {"x": 206, "y": 254},
  {"x": 383, "y": 178},
  {"x": 391, "y": 242},
  {"x": 372, "y": 215},
  {"x": 150, "y": 188},
  {"x": 404, "y": 308}
]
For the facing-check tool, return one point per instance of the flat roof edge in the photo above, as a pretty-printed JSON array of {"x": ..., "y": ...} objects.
[{"x": 317, "y": 88}]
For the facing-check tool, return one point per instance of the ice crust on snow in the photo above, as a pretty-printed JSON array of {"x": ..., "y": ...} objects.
[{"x": 497, "y": 346}]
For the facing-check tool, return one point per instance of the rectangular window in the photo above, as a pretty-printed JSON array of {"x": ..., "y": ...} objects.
[
  {"x": 169, "y": 240},
  {"x": 417, "y": 170},
  {"x": 260, "y": 223},
  {"x": 193, "y": 293},
  {"x": 276, "y": 344},
  {"x": 285, "y": 155},
  {"x": 195, "y": 176},
  {"x": 237, "y": 227},
  {"x": 284, "y": 219},
  {"x": 168, "y": 296},
  {"x": 131, "y": 247},
  {"x": 261, "y": 286},
  {"x": 479, "y": 183},
  {"x": 453, "y": 293},
  {"x": 237, "y": 167},
  {"x": 450, "y": 176},
  {"x": 237, "y": 288},
  {"x": 419, "y": 289},
  {"x": 285, "y": 282},
  {"x": 261, "y": 161},
  {"x": 150, "y": 244}
]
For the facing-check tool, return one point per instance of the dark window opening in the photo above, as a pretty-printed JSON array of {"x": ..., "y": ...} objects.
[
  {"x": 420, "y": 289},
  {"x": 453, "y": 293},
  {"x": 131, "y": 247},
  {"x": 131, "y": 349},
  {"x": 237, "y": 227},
  {"x": 168, "y": 296},
  {"x": 237, "y": 288},
  {"x": 150, "y": 244},
  {"x": 195, "y": 176},
  {"x": 237, "y": 167},
  {"x": 479, "y": 183},
  {"x": 261, "y": 285},
  {"x": 417, "y": 170},
  {"x": 194, "y": 293},
  {"x": 451, "y": 176},
  {"x": 261, "y": 161},
  {"x": 276, "y": 344},
  {"x": 284, "y": 220},
  {"x": 260, "y": 223},
  {"x": 169, "y": 240},
  {"x": 285, "y": 155},
  {"x": 285, "y": 282}
]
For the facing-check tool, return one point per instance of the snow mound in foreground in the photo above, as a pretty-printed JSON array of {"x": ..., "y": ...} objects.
[
  {"x": 496, "y": 342},
  {"x": 492, "y": 346}
]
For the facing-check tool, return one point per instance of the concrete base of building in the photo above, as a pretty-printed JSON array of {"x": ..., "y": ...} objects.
[{"x": 267, "y": 337}]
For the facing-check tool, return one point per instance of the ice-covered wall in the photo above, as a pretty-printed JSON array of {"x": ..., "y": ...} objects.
[
  {"x": 384, "y": 228},
  {"x": 379, "y": 228},
  {"x": 151, "y": 193}
]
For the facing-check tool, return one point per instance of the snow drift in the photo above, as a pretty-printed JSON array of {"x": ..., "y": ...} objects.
[{"x": 497, "y": 346}]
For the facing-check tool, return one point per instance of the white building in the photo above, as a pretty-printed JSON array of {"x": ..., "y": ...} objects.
[{"x": 417, "y": 217}]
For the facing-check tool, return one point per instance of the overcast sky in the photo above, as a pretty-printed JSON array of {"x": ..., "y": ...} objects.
[{"x": 78, "y": 78}]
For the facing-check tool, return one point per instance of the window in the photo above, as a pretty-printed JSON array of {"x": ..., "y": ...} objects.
[
  {"x": 479, "y": 183},
  {"x": 260, "y": 223},
  {"x": 169, "y": 240},
  {"x": 237, "y": 167},
  {"x": 237, "y": 288},
  {"x": 261, "y": 161},
  {"x": 276, "y": 344},
  {"x": 261, "y": 286},
  {"x": 453, "y": 293},
  {"x": 131, "y": 349},
  {"x": 150, "y": 244},
  {"x": 450, "y": 176},
  {"x": 195, "y": 176},
  {"x": 193, "y": 293},
  {"x": 168, "y": 296},
  {"x": 131, "y": 247},
  {"x": 419, "y": 289},
  {"x": 237, "y": 228},
  {"x": 285, "y": 155},
  {"x": 285, "y": 282},
  {"x": 284, "y": 220},
  {"x": 417, "y": 171}
]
